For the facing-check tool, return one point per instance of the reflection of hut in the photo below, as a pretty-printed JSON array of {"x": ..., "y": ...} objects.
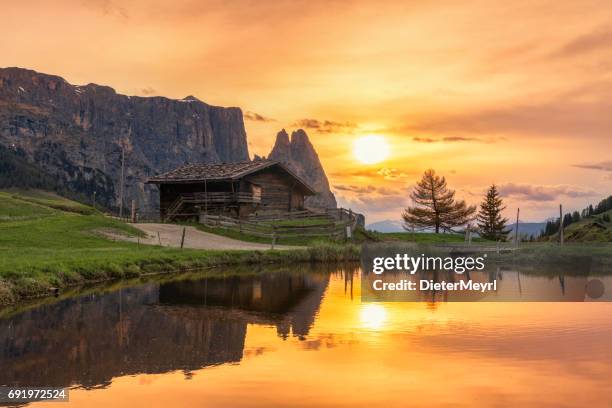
[
  {"x": 289, "y": 300},
  {"x": 233, "y": 189},
  {"x": 152, "y": 329}
]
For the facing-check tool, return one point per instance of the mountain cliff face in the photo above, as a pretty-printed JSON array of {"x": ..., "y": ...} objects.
[
  {"x": 76, "y": 133},
  {"x": 300, "y": 156}
]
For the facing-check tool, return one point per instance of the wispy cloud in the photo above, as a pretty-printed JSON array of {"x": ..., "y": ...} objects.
[
  {"x": 598, "y": 39},
  {"x": 387, "y": 173},
  {"x": 367, "y": 189},
  {"x": 453, "y": 139},
  {"x": 603, "y": 166},
  {"x": 531, "y": 192},
  {"x": 256, "y": 117},
  {"x": 325, "y": 126}
]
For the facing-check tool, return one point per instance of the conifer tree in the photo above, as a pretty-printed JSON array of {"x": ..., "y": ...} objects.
[
  {"x": 491, "y": 223},
  {"x": 435, "y": 206}
]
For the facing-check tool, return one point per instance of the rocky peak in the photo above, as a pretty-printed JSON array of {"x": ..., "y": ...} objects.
[{"x": 300, "y": 156}]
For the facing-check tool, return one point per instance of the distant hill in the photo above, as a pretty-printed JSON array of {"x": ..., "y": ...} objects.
[
  {"x": 386, "y": 226},
  {"x": 530, "y": 229}
]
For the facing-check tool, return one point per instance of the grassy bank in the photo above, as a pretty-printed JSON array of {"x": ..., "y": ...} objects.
[
  {"x": 45, "y": 245},
  {"x": 422, "y": 238}
]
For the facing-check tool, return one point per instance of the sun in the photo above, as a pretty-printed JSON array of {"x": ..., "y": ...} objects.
[{"x": 371, "y": 149}]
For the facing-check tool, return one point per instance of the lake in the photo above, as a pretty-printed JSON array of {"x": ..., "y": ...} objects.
[{"x": 302, "y": 337}]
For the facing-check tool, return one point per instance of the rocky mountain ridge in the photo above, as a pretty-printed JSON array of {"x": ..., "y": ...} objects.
[{"x": 76, "y": 134}]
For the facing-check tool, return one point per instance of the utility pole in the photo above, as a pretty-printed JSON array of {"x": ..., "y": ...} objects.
[
  {"x": 516, "y": 229},
  {"x": 561, "y": 224},
  {"x": 121, "y": 181}
]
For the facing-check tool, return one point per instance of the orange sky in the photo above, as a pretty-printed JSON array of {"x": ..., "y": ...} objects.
[{"x": 519, "y": 94}]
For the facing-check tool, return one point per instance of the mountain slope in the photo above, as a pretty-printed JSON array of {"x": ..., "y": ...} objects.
[
  {"x": 386, "y": 226},
  {"x": 76, "y": 133},
  {"x": 597, "y": 228},
  {"x": 529, "y": 229}
]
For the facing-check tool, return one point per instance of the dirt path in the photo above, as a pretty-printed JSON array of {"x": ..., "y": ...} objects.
[{"x": 170, "y": 235}]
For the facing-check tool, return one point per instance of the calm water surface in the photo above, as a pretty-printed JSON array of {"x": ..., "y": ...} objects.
[{"x": 298, "y": 338}]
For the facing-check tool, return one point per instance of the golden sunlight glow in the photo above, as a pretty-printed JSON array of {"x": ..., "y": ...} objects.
[
  {"x": 373, "y": 316},
  {"x": 371, "y": 149}
]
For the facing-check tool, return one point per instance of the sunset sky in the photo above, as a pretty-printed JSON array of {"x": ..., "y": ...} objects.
[{"x": 519, "y": 95}]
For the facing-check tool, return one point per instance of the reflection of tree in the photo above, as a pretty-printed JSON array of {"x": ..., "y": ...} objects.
[{"x": 152, "y": 328}]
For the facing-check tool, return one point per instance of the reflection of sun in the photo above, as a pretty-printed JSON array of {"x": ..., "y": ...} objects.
[
  {"x": 371, "y": 149},
  {"x": 373, "y": 316}
]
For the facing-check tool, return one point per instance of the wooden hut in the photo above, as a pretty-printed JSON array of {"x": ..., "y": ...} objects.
[{"x": 231, "y": 189}]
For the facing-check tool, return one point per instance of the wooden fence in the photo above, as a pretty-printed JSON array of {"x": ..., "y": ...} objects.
[{"x": 274, "y": 228}]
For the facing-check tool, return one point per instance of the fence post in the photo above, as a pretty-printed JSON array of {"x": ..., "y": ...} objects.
[
  {"x": 273, "y": 235},
  {"x": 159, "y": 238},
  {"x": 561, "y": 224},
  {"x": 183, "y": 238},
  {"x": 133, "y": 211}
]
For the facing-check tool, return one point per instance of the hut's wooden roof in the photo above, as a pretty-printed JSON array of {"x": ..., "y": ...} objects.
[{"x": 197, "y": 173}]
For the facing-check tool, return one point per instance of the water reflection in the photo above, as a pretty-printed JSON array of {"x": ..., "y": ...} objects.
[
  {"x": 154, "y": 328},
  {"x": 545, "y": 284},
  {"x": 304, "y": 338}
]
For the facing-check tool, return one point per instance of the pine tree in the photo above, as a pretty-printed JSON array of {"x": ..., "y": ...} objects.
[
  {"x": 435, "y": 206},
  {"x": 491, "y": 223},
  {"x": 567, "y": 220}
]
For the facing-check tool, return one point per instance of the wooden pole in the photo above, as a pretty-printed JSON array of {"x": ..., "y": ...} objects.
[
  {"x": 94, "y": 200},
  {"x": 183, "y": 238},
  {"x": 121, "y": 181},
  {"x": 133, "y": 214},
  {"x": 205, "y": 197},
  {"x": 159, "y": 238},
  {"x": 561, "y": 224},
  {"x": 516, "y": 229},
  {"x": 469, "y": 234}
]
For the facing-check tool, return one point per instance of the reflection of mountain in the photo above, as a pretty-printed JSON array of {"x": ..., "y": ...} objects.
[{"x": 152, "y": 329}]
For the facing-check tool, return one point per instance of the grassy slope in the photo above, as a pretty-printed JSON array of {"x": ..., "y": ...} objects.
[
  {"x": 43, "y": 247},
  {"x": 423, "y": 238},
  {"x": 592, "y": 229}
]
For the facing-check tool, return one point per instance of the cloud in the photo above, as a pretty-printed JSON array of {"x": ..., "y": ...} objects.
[
  {"x": 600, "y": 38},
  {"x": 256, "y": 117},
  {"x": 368, "y": 189},
  {"x": 531, "y": 192},
  {"x": 603, "y": 166},
  {"x": 579, "y": 112},
  {"x": 148, "y": 91},
  {"x": 384, "y": 172},
  {"x": 326, "y": 126},
  {"x": 451, "y": 139}
]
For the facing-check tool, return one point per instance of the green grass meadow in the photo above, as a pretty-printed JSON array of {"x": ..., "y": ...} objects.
[{"x": 50, "y": 242}]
